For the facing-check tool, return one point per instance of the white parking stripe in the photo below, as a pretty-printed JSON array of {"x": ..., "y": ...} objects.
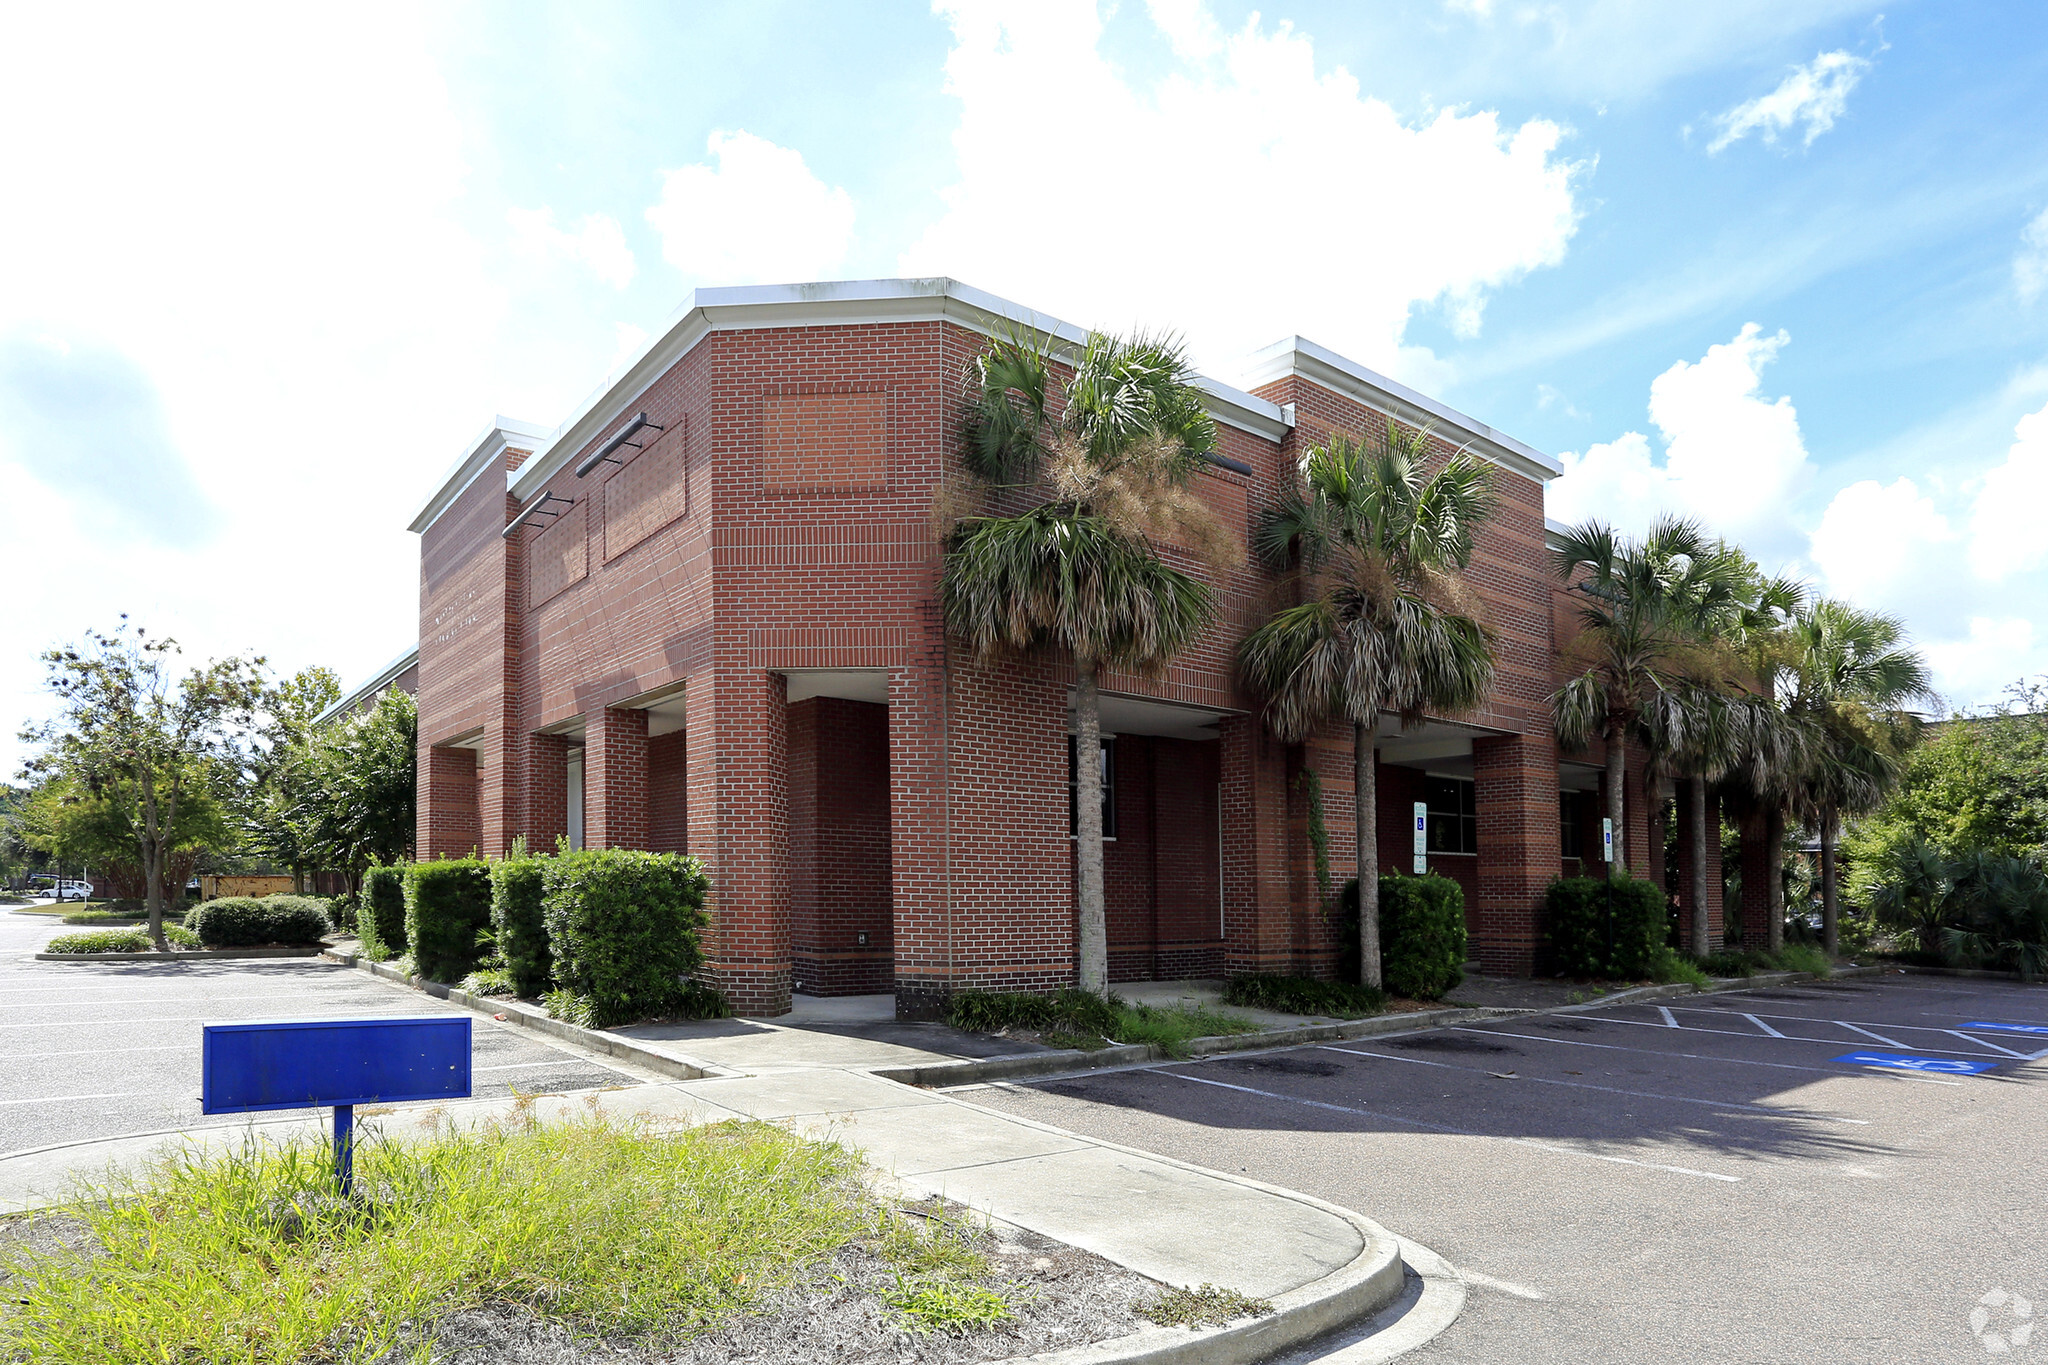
[
  {"x": 1695, "y": 1056},
  {"x": 91, "y": 1052},
  {"x": 1669, "y": 1022},
  {"x": 181, "y": 999},
  {"x": 1608, "y": 1089},
  {"x": 1762, "y": 1025},
  {"x": 1971, "y": 1038},
  {"x": 1455, "y": 1132},
  {"x": 1857, "y": 1028},
  {"x": 1731, "y": 1033},
  {"x": 154, "y": 1019},
  {"x": 57, "y": 1099}
]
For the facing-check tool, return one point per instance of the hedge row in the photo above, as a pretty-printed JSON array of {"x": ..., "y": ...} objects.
[
  {"x": 1422, "y": 934},
  {"x": 1605, "y": 928},
  {"x": 608, "y": 935},
  {"x": 252, "y": 921}
]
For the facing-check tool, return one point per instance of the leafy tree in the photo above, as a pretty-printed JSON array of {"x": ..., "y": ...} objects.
[
  {"x": 278, "y": 786},
  {"x": 130, "y": 731},
  {"x": 76, "y": 825},
  {"x": 357, "y": 788},
  {"x": 1052, "y": 539},
  {"x": 1977, "y": 782},
  {"x": 1386, "y": 622}
]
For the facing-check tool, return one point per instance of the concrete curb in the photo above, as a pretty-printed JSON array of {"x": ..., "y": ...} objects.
[
  {"x": 939, "y": 1075},
  {"x": 1728, "y": 983},
  {"x": 1973, "y": 973},
  {"x": 506, "y": 1011},
  {"x": 1370, "y": 1282},
  {"x": 184, "y": 955}
]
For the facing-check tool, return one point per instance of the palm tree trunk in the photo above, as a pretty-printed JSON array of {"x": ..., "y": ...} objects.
[
  {"x": 1091, "y": 946},
  {"x": 1830, "y": 905},
  {"x": 1616, "y": 808},
  {"x": 1774, "y": 881},
  {"x": 1696, "y": 855},
  {"x": 1365, "y": 811}
]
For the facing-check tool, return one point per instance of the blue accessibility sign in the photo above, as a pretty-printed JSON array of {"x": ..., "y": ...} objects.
[
  {"x": 1899, "y": 1061},
  {"x": 2012, "y": 1028}
]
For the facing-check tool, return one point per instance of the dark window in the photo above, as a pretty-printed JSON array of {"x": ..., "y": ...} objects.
[
  {"x": 1108, "y": 788},
  {"x": 1568, "y": 825},
  {"x": 1453, "y": 815}
]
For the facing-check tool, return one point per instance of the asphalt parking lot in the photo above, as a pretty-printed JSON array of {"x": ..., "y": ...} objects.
[
  {"x": 1751, "y": 1176},
  {"x": 89, "y": 1051}
]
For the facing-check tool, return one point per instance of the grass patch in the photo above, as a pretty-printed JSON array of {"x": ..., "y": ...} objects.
[
  {"x": 1803, "y": 957},
  {"x": 1204, "y": 1307},
  {"x": 1305, "y": 995},
  {"x": 122, "y": 913},
  {"x": 690, "y": 1000},
  {"x": 1744, "y": 963},
  {"x": 247, "y": 1257},
  {"x": 488, "y": 981},
  {"x": 1079, "y": 1019},
  {"x": 944, "y": 1306}
]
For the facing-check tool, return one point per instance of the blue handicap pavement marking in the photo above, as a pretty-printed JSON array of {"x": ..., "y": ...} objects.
[
  {"x": 1899, "y": 1061},
  {"x": 2012, "y": 1028}
]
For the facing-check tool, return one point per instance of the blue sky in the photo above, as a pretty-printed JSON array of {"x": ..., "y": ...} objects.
[{"x": 1783, "y": 266}]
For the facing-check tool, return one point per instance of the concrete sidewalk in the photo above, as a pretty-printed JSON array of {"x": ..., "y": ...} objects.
[{"x": 1178, "y": 1224}]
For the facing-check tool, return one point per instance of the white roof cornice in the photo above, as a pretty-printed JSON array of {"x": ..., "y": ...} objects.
[
  {"x": 382, "y": 679},
  {"x": 835, "y": 303},
  {"x": 1318, "y": 364},
  {"x": 488, "y": 448}
]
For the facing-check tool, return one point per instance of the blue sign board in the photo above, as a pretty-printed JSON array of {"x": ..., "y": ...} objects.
[
  {"x": 1899, "y": 1061},
  {"x": 2012, "y": 1028},
  {"x": 300, "y": 1063}
]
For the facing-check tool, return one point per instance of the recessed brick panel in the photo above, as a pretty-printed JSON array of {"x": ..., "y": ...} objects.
[
  {"x": 821, "y": 441},
  {"x": 647, "y": 493},
  {"x": 558, "y": 556}
]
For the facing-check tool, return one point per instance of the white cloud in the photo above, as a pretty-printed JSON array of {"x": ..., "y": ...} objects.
[
  {"x": 597, "y": 243},
  {"x": 1814, "y": 95},
  {"x": 2006, "y": 535},
  {"x": 1879, "y": 544},
  {"x": 1181, "y": 202},
  {"x": 1732, "y": 458},
  {"x": 1976, "y": 666},
  {"x": 2030, "y": 266},
  {"x": 759, "y": 215}
]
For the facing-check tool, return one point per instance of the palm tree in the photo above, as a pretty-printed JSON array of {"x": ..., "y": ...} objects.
[
  {"x": 1053, "y": 544},
  {"x": 1386, "y": 623},
  {"x": 1649, "y": 618},
  {"x": 1913, "y": 887},
  {"x": 1851, "y": 676}
]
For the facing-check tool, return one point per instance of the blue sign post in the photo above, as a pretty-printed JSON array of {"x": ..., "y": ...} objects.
[{"x": 305, "y": 1063}]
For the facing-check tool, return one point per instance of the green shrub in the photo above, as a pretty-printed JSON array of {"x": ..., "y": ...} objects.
[
  {"x": 1422, "y": 935},
  {"x": 101, "y": 941},
  {"x": 250, "y": 921},
  {"x": 1728, "y": 963},
  {"x": 1576, "y": 913},
  {"x": 1304, "y": 995},
  {"x": 447, "y": 904},
  {"x": 342, "y": 910},
  {"x": 381, "y": 921},
  {"x": 488, "y": 981},
  {"x": 1672, "y": 969},
  {"x": 178, "y": 936},
  {"x": 1073, "y": 1018},
  {"x": 1803, "y": 957},
  {"x": 623, "y": 926},
  {"x": 520, "y": 925}
]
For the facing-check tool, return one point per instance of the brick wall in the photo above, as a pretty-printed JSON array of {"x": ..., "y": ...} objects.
[
  {"x": 668, "y": 793},
  {"x": 839, "y": 847}
]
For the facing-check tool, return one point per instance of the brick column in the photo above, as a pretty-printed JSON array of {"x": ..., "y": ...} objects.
[
  {"x": 919, "y": 832},
  {"x": 547, "y": 791},
  {"x": 1686, "y": 909},
  {"x": 448, "y": 826},
  {"x": 1756, "y": 878},
  {"x": 1515, "y": 787},
  {"x": 1257, "y": 896},
  {"x": 750, "y": 881},
  {"x": 615, "y": 779}
]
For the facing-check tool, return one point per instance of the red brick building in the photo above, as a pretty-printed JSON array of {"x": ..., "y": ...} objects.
[{"x": 700, "y": 615}]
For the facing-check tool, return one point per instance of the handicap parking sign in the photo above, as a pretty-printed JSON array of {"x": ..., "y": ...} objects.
[
  {"x": 2012, "y": 1028},
  {"x": 1899, "y": 1061}
]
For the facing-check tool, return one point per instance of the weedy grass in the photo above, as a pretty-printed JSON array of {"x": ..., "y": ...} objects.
[
  {"x": 1073, "y": 1018},
  {"x": 488, "y": 981},
  {"x": 937, "y": 1262},
  {"x": 1204, "y": 1307},
  {"x": 945, "y": 1306},
  {"x": 1304, "y": 995},
  {"x": 248, "y": 1258}
]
